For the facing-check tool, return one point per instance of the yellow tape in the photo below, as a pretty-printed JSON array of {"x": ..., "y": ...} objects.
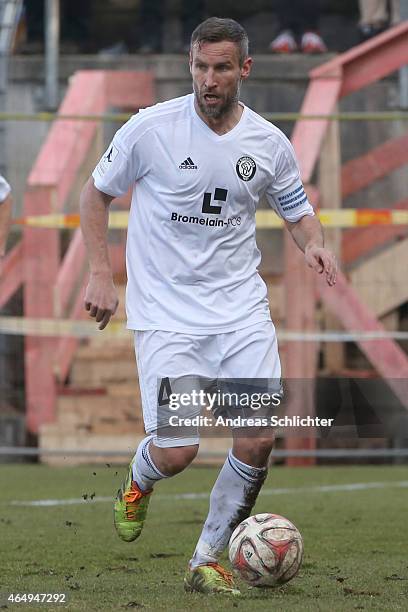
[
  {"x": 265, "y": 219},
  {"x": 59, "y": 328}
]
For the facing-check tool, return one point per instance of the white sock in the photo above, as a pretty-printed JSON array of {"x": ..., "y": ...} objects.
[
  {"x": 231, "y": 501},
  {"x": 145, "y": 473}
]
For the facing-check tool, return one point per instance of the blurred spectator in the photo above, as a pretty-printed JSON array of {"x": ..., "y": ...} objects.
[
  {"x": 376, "y": 16},
  {"x": 75, "y": 20},
  {"x": 152, "y": 20},
  {"x": 298, "y": 24}
]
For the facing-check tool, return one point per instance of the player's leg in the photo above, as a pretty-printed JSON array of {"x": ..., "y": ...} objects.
[
  {"x": 167, "y": 451},
  {"x": 233, "y": 496},
  {"x": 231, "y": 501},
  {"x": 251, "y": 353},
  {"x": 150, "y": 464}
]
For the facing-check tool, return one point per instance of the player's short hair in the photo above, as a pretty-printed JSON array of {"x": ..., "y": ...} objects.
[{"x": 218, "y": 29}]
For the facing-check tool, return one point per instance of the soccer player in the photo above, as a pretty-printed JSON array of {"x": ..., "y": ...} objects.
[
  {"x": 5, "y": 215},
  {"x": 198, "y": 165}
]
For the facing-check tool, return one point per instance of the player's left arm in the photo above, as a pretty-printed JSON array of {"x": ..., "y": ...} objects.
[{"x": 307, "y": 232}]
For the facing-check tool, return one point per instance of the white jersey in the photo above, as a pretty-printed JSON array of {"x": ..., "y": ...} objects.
[
  {"x": 191, "y": 252},
  {"x": 4, "y": 189}
]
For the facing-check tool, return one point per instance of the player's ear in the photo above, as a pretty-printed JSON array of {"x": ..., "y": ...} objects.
[
  {"x": 190, "y": 61},
  {"x": 246, "y": 68}
]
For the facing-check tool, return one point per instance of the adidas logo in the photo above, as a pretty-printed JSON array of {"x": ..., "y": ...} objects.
[{"x": 188, "y": 164}]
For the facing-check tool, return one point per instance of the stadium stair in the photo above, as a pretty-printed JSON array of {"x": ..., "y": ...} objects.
[{"x": 100, "y": 407}]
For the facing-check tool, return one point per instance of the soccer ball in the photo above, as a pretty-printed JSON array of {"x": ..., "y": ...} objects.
[{"x": 266, "y": 550}]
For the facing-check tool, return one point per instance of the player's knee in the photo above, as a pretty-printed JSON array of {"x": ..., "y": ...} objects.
[
  {"x": 262, "y": 448},
  {"x": 253, "y": 451},
  {"x": 175, "y": 460}
]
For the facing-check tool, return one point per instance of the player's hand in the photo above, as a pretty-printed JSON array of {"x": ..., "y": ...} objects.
[
  {"x": 322, "y": 261},
  {"x": 101, "y": 298}
]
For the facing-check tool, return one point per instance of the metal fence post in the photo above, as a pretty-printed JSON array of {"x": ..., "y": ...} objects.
[
  {"x": 52, "y": 34},
  {"x": 403, "y": 73}
]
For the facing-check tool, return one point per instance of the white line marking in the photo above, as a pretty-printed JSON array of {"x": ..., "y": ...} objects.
[{"x": 356, "y": 486}]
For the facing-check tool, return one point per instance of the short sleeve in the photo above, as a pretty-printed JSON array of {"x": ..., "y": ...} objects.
[
  {"x": 286, "y": 193},
  {"x": 5, "y": 189},
  {"x": 125, "y": 161}
]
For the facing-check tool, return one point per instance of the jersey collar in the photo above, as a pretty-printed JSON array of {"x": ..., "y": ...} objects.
[{"x": 209, "y": 131}]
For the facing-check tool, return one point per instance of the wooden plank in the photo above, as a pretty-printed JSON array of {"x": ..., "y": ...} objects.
[
  {"x": 370, "y": 61},
  {"x": 129, "y": 89},
  {"x": 358, "y": 242},
  {"x": 307, "y": 137},
  {"x": 52, "y": 437},
  {"x": 377, "y": 163},
  {"x": 100, "y": 373},
  {"x": 41, "y": 250},
  {"x": 391, "y": 321},
  {"x": 67, "y": 347},
  {"x": 386, "y": 356},
  {"x": 12, "y": 273},
  {"x": 300, "y": 358},
  {"x": 381, "y": 281},
  {"x": 330, "y": 198},
  {"x": 68, "y": 141},
  {"x": 71, "y": 268}
]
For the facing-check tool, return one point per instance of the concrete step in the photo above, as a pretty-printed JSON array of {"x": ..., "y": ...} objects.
[
  {"x": 107, "y": 351},
  {"x": 99, "y": 413},
  {"x": 52, "y": 437},
  {"x": 93, "y": 373}
]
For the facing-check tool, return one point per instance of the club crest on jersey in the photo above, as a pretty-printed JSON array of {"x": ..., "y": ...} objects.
[{"x": 246, "y": 168}]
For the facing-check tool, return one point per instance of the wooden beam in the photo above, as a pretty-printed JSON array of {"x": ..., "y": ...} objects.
[
  {"x": 321, "y": 98},
  {"x": 41, "y": 250},
  {"x": 67, "y": 347},
  {"x": 377, "y": 163},
  {"x": 72, "y": 266},
  {"x": 370, "y": 61},
  {"x": 358, "y": 242},
  {"x": 300, "y": 358},
  {"x": 68, "y": 142},
  {"x": 12, "y": 273},
  {"x": 330, "y": 198},
  {"x": 386, "y": 356},
  {"x": 129, "y": 89}
]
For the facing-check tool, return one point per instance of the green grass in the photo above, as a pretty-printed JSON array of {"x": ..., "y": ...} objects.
[{"x": 356, "y": 542}]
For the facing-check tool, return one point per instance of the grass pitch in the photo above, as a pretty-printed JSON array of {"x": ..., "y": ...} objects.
[{"x": 356, "y": 541}]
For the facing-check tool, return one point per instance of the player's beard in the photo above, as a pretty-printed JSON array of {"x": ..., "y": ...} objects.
[{"x": 223, "y": 109}]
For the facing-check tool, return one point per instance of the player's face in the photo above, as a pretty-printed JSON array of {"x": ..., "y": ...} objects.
[{"x": 217, "y": 76}]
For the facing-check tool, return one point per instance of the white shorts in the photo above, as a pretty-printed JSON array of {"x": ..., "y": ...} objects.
[{"x": 248, "y": 353}]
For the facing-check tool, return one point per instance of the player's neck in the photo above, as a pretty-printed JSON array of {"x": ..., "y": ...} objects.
[{"x": 224, "y": 124}]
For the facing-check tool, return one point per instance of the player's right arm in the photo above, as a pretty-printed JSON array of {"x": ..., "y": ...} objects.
[
  {"x": 126, "y": 160},
  {"x": 101, "y": 299}
]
